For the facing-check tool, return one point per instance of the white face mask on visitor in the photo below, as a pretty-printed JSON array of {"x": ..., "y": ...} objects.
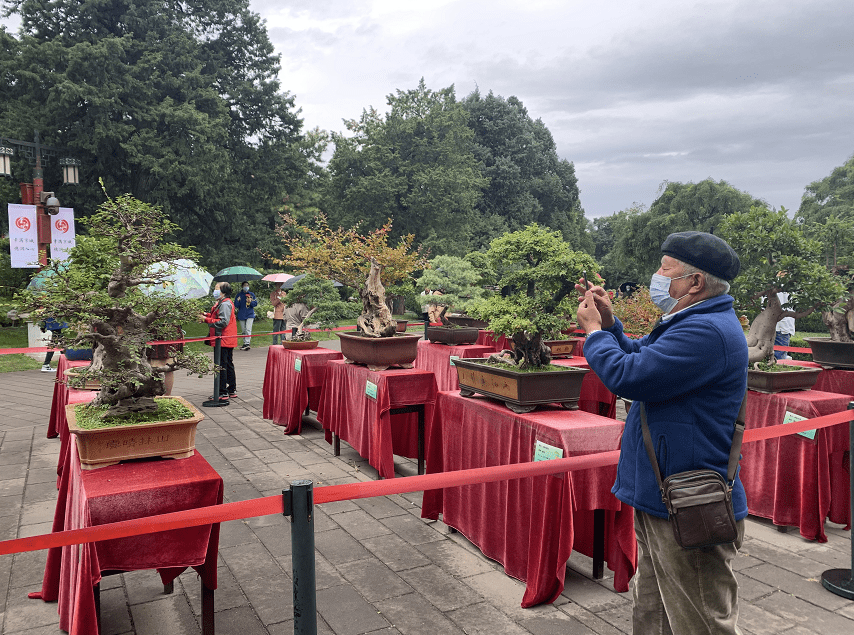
[
  {"x": 216, "y": 294},
  {"x": 659, "y": 292}
]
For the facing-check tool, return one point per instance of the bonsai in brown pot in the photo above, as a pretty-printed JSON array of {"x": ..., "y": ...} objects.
[
  {"x": 367, "y": 263},
  {"x": 99, "y": 291},
  {"x": 459, "y": 284},
  {"x": 776, "y": 257},
  {"x": 539, "y": 272}
]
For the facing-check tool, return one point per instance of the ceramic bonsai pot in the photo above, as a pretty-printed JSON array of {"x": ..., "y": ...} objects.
[
  {"x": 831, "y": 354},
  {"x": 452, "y": 335},
  {"x": 520, "y": 391},
  {"x": 78, "y": 354},
  {"x": 465, "y": 320},
  {"x": 401, "y": 325},
  {"x": 378, "y": 353},
  {"x": 107, "y": 446},
  {"x": 770, "y": 382},
  {"x": 563, "y": 348},
  {"x": 300, "y": 345}
]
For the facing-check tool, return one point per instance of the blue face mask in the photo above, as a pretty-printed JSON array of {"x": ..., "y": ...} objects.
[
  {"x": 659, "y": 292},
  {"x": 245, "y": 289},
  {"x": 216, "y": 294}
]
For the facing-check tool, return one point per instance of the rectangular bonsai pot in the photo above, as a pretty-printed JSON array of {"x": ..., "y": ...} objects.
[
  {"x": 563, "y": 348},
  {"x": 768, "y": 382},
  {"x": 452, "y": 335},
  {"x": 465, "y": 320},
  {"x": 522, "y": 388},
  {"x": 107, "y": 446}
]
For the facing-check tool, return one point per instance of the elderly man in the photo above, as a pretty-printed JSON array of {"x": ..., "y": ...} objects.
[{"x": 691, "y": 374}]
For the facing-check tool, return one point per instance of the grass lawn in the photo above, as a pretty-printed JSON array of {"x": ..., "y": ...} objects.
[{"x": 15, "y": 337}]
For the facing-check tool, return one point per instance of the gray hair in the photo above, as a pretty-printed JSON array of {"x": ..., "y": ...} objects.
[{"x": 714, "y": 285}]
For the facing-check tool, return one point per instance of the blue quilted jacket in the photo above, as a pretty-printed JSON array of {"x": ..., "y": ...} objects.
[{"x": 691, "y": 372}]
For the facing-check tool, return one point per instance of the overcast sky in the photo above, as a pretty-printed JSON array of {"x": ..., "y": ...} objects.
[{"x": 757, "y": 93}]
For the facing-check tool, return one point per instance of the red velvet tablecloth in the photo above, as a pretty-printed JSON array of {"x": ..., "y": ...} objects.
[
  {"x": 122, "y": 492},
  {"x": 529, "y": 525},
  {"x": 365, "y": 422},
  {"x": 436, "y": 358},
  {"x": 287, "y": 391},
  {"x": 794, "y": 480},
  {"x": 60, "y": 396},
  {"x": 594, "y": 397}
]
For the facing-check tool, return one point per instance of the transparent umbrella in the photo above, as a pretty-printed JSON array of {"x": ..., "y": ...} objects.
[{"x": 186, "y": 280}]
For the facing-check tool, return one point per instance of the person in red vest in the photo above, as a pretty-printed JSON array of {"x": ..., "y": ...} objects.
[{"x": 221, "y": 316}]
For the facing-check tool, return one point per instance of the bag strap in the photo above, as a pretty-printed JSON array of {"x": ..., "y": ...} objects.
[{"x": 734, "y": 452}]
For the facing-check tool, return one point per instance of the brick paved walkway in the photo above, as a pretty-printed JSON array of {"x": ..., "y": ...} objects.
[{"x": 380, "y": 568}]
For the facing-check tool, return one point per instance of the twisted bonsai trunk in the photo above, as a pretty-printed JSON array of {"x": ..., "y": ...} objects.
[{"x": 376, "y": 319}]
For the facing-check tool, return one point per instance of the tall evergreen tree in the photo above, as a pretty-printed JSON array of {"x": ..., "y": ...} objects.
[
  {"x": 176, "y": 103},
  {"x": 679, "y": 207},
  {"x": 528, "y": 182},
  {"x": 415, "y": 165}
]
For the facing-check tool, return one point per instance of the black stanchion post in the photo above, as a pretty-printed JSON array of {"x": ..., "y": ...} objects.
[
  {"x": 841, "y": 581},
  {"x": 299, "y": 505},
  {"x": 215, "y": 402}
]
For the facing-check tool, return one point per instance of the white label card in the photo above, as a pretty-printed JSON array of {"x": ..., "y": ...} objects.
[
  {"x": 791, "y": 417},
  {"x": 371, "y": 389},
  {"x": 546, "y": 452},
  {"x": 298, "y": 364}
]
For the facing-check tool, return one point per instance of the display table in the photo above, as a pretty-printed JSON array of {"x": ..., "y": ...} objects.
[
  {"x": 293, "y": 380},
  {"x": 495, "y": 342},
  {"x": 58, "y": 425},
  {"x": 60, "y": 395},
  {"x": 530, "y": 525},
  {"x": 436, "y": 358},
  {"x": 794, "y": 480},
  {"x": 594, "y": 397},
  {"x": 122, "y": 492},
  {"x": 374, "y": 424}
]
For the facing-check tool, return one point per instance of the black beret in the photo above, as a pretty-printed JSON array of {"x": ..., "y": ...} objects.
[{"x": 704, "y": 251}]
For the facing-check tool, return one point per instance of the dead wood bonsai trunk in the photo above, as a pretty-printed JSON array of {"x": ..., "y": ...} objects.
[
  {"x": 376, "y": 319},
  {"x": 840, "y": 320}
]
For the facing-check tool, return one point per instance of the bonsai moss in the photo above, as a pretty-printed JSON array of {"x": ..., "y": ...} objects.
[{"x": 91, "y": 417}]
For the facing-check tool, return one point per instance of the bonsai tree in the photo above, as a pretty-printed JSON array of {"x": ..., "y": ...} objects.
[
  {"x": 539, "y": 298},
  {"x": 98, "y": 293},
  {"x": 327, "y": 307},
  {"x": 776, "y": 256},
  {"x": 365, "y": 262},
  {"x": 458, "y": 281}
]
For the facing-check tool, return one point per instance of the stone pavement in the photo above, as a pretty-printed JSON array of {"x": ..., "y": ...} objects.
[{"x": 380, "y": 568}]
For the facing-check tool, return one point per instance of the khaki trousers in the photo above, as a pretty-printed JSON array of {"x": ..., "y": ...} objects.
[{"x": 678, "y": 591}]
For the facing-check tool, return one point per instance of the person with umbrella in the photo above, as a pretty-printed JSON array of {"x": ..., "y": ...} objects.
[{"x": 245, "y": 303}]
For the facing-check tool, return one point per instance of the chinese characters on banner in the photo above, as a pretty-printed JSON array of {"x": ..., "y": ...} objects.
[
  {"x": 23, "y": 236},
  {"x": 62, "y": 233}
]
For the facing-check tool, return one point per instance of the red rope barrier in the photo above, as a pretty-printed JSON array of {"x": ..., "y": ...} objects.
[{"x": 351, "y": 491}]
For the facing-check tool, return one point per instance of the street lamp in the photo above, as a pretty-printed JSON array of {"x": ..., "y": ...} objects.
[
  {"x": 6, "y": 155},
  {"x": 33, "y": 193}
]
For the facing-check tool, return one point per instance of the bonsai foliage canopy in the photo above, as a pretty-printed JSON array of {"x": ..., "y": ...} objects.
[
  {"x": 776, "y": 257},
  {"x": 98, "y": 295},
  {"x": 364, "y": 261},
  {"x": 457, "y": 280},
  {"x": 539, "y": 273}
]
